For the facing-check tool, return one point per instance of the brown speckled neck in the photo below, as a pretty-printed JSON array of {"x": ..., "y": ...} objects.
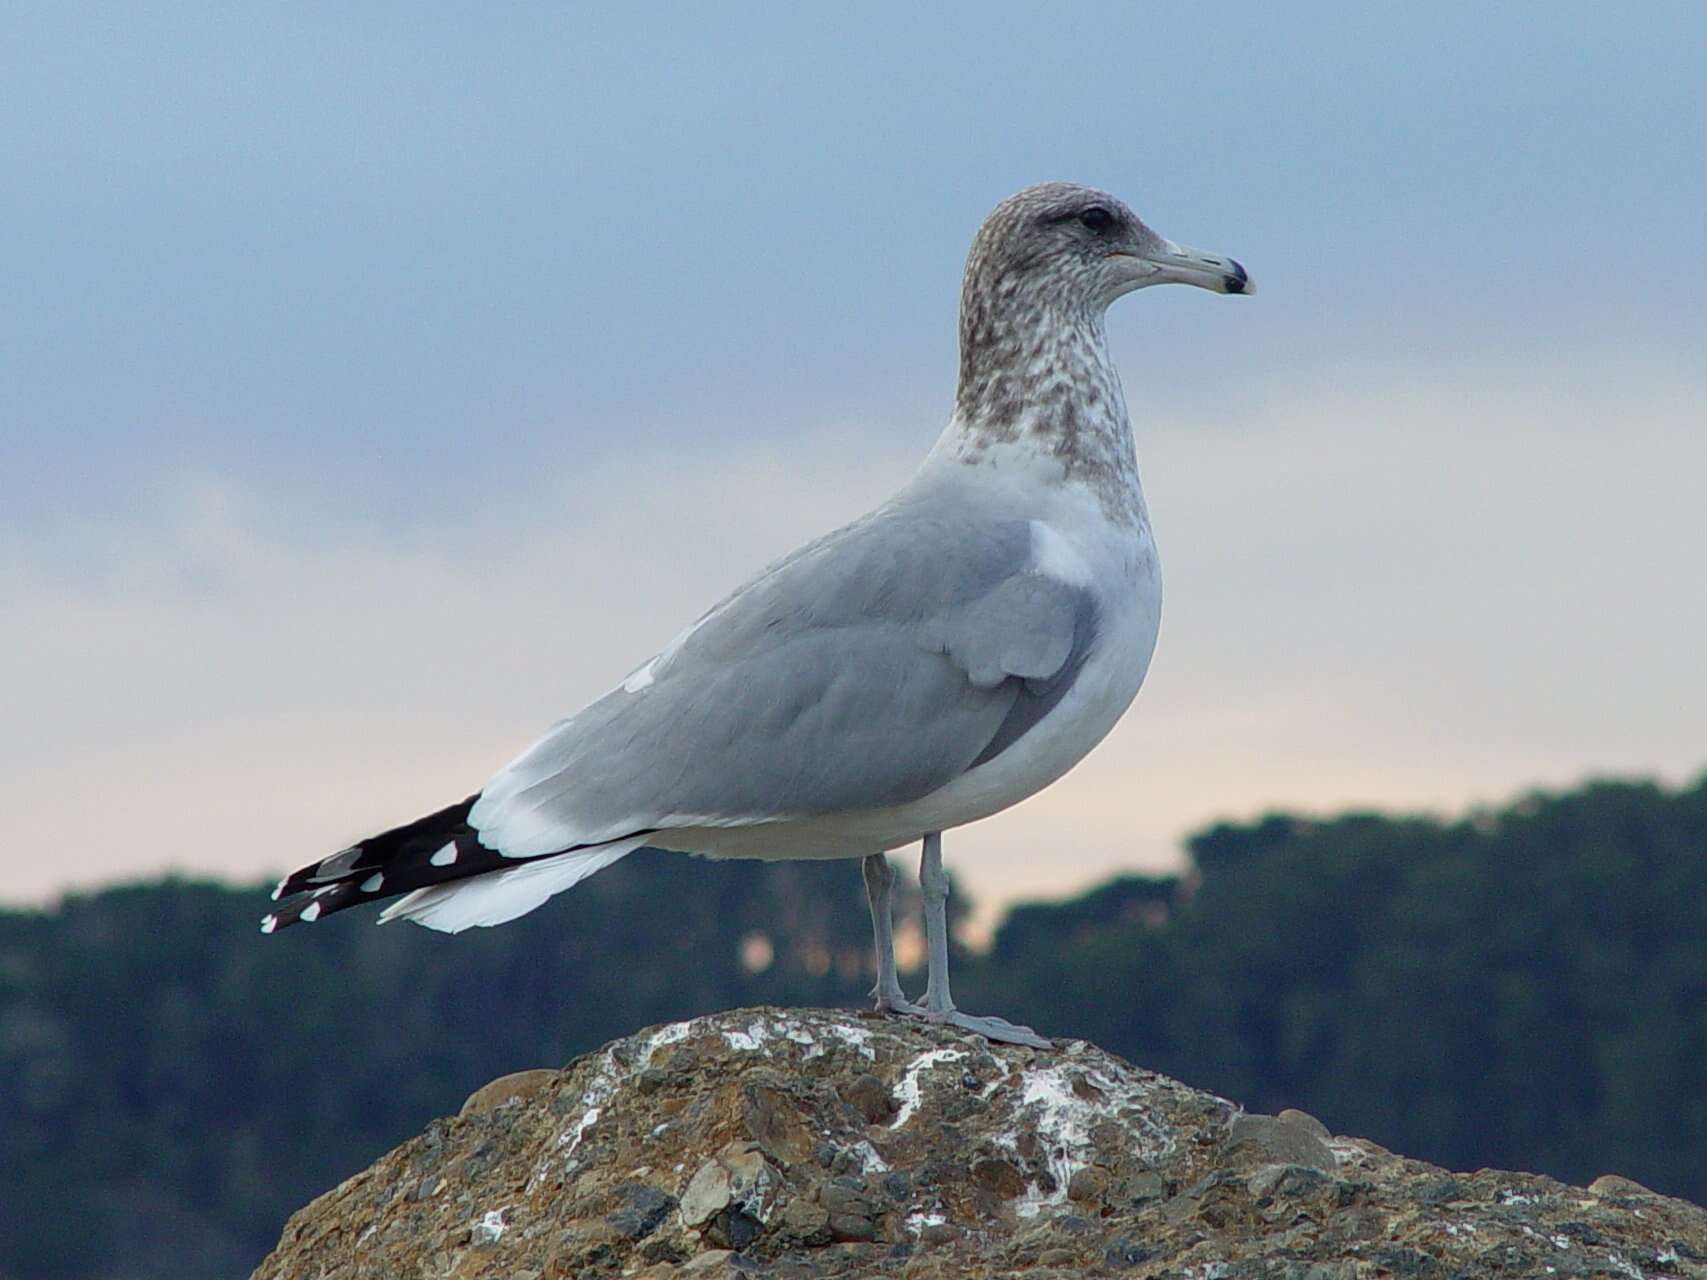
[{"x": 1035, "y": 373}]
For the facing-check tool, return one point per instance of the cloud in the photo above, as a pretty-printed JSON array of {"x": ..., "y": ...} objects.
[
  {"x": 1393, "y": 594},
  {"x": 215, "y": 689}
]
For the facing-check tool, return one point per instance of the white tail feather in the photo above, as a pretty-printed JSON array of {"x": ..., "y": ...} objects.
[{"x": 500, "y": 896}]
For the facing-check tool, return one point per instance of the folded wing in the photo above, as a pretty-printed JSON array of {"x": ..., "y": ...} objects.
[{"x": 864, "y": 671}]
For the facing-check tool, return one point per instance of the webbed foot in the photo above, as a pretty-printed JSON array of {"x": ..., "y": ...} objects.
[
  {"x": 895, "y": 1002},
  {"x": 998, "y": 1030}
]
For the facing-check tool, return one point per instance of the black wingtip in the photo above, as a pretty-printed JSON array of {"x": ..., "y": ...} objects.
[{"x": 379, "y": 855}]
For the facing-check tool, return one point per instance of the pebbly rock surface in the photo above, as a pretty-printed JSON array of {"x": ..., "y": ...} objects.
[{"x": 815, "y": 1143}]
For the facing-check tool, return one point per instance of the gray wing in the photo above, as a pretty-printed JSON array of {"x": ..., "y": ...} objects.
[{"x": 868, "y": 669}]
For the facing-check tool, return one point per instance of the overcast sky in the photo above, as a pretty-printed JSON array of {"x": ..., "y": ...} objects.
[{"x": 379, "y": 382}]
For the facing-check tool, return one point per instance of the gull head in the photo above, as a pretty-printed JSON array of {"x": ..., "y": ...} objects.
[{"x": 1073, "y": 247}]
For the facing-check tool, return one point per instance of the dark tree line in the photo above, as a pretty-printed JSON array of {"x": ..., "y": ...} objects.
[{"x": 1523, "y": 988}]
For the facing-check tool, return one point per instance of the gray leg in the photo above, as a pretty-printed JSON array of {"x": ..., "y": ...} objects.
[
  {"x": 933, "y": 882},
  {"x": 879, "y": 891},
  {"x": 939, "y": 1003}
]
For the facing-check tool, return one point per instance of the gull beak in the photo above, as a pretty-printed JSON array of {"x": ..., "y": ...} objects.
[{"x": 1174, "y": 263}]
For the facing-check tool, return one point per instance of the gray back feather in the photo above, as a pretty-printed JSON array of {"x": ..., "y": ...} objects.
[{"x": 867, "y": 669}]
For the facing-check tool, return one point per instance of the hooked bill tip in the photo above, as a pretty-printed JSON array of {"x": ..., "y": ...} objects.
[{"x": 1238, "y": 280}]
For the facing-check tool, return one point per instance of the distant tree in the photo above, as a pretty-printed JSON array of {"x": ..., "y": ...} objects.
[
  {"x": 186, "y": 1083},
  {"x": 1526, "y": 987}
]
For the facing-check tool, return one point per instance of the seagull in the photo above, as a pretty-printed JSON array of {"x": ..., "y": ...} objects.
[{"x": 937, "y": 660}]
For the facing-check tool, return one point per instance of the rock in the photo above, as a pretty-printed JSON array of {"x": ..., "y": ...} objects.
[
  {"x": 1442, "y": 1191},
  {"x": 1123, "y": 1252},
  {"x": 717, "y": 1262},
  {"x": 490, "y": 1229},
  {"x": 1289, "y": 1141},
  {"x": 1087, "y": 1184},
  {"x": 853, "y": 1212},
  {"x": 731, "y": 1197},
  {"x": 517, "y": 1087},
  {"x": 707, "y": 1193},
  {"x": 807, "y": 1222},
  {"x": 808, "y": 1143},
  {"x": 871, "y": 1098},
  {"x": 1287, "y": 1182},
  {"x": 1138, "y": 1188},
  {"x": 776, "y": 1124},
  {"x": 1611, "y": 1184},
  {"x": 999, "y": 1176},
  {"x": 639, "y": 1210},
  {"x": 1305, "y": 1121}
]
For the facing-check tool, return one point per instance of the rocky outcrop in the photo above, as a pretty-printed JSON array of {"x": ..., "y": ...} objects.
[{"x": 810, "y": 1143}]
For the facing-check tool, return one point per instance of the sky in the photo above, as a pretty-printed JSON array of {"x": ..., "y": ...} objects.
[{"x": 379, "y": 383}]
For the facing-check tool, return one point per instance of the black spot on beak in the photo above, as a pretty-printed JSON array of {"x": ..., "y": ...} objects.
[{"x": 1237, "y": 279}]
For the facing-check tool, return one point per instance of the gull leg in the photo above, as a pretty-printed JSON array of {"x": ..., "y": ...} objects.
[
  {"x": 933, "y": 882},
  {"x": 939, "y": 1003},
  {"x": 879, "y": 892}
]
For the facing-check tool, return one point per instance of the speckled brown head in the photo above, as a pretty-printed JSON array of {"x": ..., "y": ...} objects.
[
  {"x": 1070, "y": 247},
  {"x": 1034, "y": 364}
]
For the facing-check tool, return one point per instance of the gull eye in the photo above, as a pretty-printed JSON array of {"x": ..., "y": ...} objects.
[{"x": 1097, "y": 219}]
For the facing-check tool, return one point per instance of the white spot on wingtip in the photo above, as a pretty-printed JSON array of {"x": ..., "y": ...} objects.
[
  {"x": 278, "y": 890},
  {"x": 445, "y": 856},
  {"x": 372, "y": 883},
  {"x": 310, "y": 913},
  {"x": 269, "y": 923}
]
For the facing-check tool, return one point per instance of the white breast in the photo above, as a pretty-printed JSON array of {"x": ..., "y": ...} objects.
[{"x": 1125, "y": 575}]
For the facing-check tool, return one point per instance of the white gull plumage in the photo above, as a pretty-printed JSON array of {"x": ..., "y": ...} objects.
[{"x": 935, "y": 661}]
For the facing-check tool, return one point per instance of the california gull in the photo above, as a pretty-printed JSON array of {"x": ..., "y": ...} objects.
[{"x": 939, "y": 659}]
